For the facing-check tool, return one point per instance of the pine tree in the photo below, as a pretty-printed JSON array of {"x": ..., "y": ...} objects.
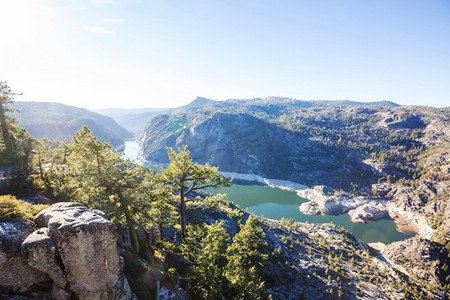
[
  {"x": 206, "y": 247},
  {"x": 160, "y": 196},
  {"x": 96, "y": 176},
  {"x": 6, "y": 98},
  {"x": 246, "y": 261},
  {"x": 186, "y": 177},
  {"x": 48, "y": 155},
  {"x": 15, "y": 147}
]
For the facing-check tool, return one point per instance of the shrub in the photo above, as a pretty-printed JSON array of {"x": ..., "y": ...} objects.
[{"x": 12, "y": 209}]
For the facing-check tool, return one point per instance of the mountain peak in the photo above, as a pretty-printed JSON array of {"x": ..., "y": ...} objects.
[{"x": 200, "y": 101}]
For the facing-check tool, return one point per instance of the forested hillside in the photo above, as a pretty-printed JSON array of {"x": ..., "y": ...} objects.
[
  {"x": 59, "y": 121},
  {"x": 310, "y": 142}
]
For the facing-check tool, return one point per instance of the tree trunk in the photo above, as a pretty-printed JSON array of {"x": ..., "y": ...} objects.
[
  {"x": 160, "y": 228},
  {"x": 44, "y": 178},
  {"x": 182, "y": 215},
  {"x": 5, "y": 132},
  {"x": 130, "y": 225},
  {"x": 99, "y": 171}
]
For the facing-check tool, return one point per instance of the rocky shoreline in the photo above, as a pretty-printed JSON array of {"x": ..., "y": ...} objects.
[
  {"x": 324, "y": 201},
  {"x": 362, "y": 210}
]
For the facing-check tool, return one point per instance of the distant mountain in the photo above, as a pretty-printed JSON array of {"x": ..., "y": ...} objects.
[
  {"x": 245, "y": 144},
  {"x": 120, "y": 112},
  {"x": 341, "y": 144},
  {"x": 272, "y": 105},
  {"x": 134, "y": 119},
  {"x": 59, "y": 121},
  {"x": 349, "y": 102}
]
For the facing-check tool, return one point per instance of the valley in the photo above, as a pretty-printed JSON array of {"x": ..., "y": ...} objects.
[
  {"x": 53, "y": 120},
  {"x": 343, "y": 199},
  {"x": 225, "y": 150},
  {"x": 347, "y": 153},
  {"x": 276, "y": 203}
]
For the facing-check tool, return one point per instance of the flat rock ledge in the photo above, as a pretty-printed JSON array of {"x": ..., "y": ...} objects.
[
  {"x": 322, "y": 204},
  {"x": 371, "y": 211},
  {"x": 74, "y": 252}
]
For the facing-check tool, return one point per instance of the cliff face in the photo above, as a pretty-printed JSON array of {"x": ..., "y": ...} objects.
[
  {"x": 243, "y": 143},
  {"x": 74, "y": 253},
  {"x": 338, "y": 144}
]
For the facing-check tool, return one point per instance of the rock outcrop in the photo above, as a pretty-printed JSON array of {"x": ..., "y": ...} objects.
[
  {"x": 243, "y": 143},
  {"x": 86, "y": 244},
  {"x": 75, "y": 250},
  {"x": 372, "y": 211},
  {"x": 322, "y": 204},
  {"x": 40, "y": 252},
  {"x": 421, "y": 258},
  {"x": 16, "y": 274}
]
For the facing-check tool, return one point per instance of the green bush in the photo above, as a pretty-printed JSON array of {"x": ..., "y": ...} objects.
[{"x": 12, "y": 209}]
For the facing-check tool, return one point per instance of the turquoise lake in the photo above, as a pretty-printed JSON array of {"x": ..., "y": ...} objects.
[{"x": 274, "y": 203}]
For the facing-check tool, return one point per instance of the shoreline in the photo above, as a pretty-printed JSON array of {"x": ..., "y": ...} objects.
[
  {"x": 321, "y": 204},
  {"x": 273, "y": 183}
]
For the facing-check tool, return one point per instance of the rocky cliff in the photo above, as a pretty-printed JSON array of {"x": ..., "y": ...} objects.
[
  {"x": 73, "y": 254},
  {"x": 243, "y": 143},
  {"x": 324, "y": 261}
]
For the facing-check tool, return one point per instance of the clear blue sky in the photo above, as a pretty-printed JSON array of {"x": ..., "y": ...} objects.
[{"x": 131, "y": 53}]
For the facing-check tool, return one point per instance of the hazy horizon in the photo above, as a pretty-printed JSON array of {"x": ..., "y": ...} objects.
[
  {"x": 101, "y": 54},
  {"x": 189, "y": 101}
]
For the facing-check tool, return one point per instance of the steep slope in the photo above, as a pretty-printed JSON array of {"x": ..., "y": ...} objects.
[
  {"x": 245, "y": 144},
  {"x": 325, "y": 261},
  {"x": 338, "y": 143},
  {"x": 59, "y": 121}
]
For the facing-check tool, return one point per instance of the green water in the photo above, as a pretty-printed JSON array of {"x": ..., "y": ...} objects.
[{"x": 275, "y": 203}]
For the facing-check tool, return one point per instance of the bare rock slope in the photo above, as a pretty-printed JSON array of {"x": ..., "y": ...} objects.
[{"x": 74, "y": 252}]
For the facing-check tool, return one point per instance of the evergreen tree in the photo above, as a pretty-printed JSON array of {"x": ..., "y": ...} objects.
[
  {"x": 15, "y": 147},
  {"x": 96, "y": 176},
  {"x": 193, "y": 243},
  {"x": 186, "y": 177},
  {"x": 206, "y": 247},
  {"x": 246, "y": 262},
  {"x": 48, "y": 155},
  {"x": 6, "y": 98},
  {"x": 160, "y": 195}
]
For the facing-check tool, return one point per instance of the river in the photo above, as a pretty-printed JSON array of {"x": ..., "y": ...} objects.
[{"x": 275, "y": 203}]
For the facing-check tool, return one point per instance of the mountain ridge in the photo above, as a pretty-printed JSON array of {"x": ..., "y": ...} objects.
[{"x": 59, "y": 121}]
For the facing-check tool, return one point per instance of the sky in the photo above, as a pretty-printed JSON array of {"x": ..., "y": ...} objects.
[{"x": 164, "y": 53}]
